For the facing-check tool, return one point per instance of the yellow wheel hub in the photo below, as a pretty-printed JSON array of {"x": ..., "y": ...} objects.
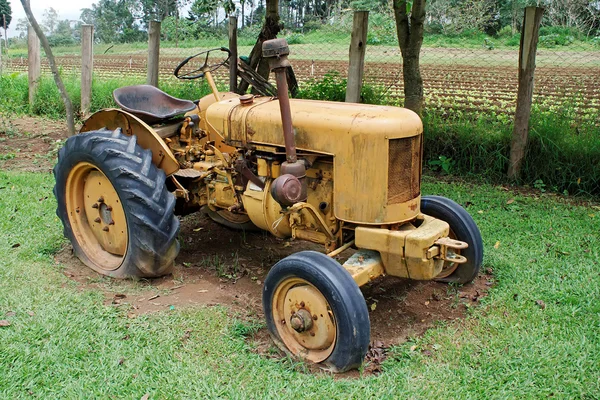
[
  {"x": 304, "y": 320},
  {"x": 96, "y": 216}
]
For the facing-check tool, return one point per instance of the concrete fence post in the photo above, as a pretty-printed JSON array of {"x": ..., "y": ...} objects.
[
  {"x": 358, "y": 48},
  {"x": 153, "y": 53},
  {"x": 34, "y": 61},
  {"x": 87, "y": 67}
]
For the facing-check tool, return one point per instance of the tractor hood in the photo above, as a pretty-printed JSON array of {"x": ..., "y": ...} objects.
[{"x": 376, "y": 149}]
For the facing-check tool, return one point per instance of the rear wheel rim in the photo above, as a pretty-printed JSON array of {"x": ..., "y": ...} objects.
[
  {"x": 298, "y": 302},
  {"x": 96, "y": 215}
]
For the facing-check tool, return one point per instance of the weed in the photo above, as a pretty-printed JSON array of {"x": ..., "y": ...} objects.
[
  {"x": 444, "y": 163},
  {"x": 7, "y": 156},
  {"x": 243, "y": 329},
  {"x": 539, "y": 185}
]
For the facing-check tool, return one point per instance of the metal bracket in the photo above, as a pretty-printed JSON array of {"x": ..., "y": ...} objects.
[
  {"x": 447, "y": 247},
  {"x": 180, "y": 191}
]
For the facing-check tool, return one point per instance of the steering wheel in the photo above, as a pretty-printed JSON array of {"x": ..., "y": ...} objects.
[{"x": 206, "y": 67}]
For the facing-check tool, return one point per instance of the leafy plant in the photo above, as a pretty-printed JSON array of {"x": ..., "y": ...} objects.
[{"x": 444, "y": 163}]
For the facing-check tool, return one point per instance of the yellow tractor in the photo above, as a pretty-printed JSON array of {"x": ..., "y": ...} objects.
[{"x": 346, "y": 176}]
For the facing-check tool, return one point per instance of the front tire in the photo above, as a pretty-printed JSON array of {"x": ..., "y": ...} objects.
[
  {"x": 462, "y": 227},
  {"x": 316, "y": 312},
  {"x": 114, "y": 205}
]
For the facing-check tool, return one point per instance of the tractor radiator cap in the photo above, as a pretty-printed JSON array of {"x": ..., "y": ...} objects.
[{"x": 275, "y": 48}]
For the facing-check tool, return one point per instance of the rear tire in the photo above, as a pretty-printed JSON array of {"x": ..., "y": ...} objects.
[
  {"x": 130, "y": 202},
  {"x": 462, "y": 227}
]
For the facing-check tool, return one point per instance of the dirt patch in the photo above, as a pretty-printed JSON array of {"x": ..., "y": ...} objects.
[{"x": 29, "y": 143}]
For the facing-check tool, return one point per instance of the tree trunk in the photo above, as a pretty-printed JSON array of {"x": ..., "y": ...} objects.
[
  {"x": 59, "y": 83},
  {"x": 527, "y": 53},
  {"x": 410, "y": 26},
  {"x": 269, "y": 30}
]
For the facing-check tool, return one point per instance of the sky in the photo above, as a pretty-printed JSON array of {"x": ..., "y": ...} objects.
[{"x": 67, "y": 9}]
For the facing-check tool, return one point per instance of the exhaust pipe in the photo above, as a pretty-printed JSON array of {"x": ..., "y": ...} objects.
[{"x": 290, "y": 187}]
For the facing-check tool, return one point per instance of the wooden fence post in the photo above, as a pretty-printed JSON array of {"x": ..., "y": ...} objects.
[
  {"x": 233, "y": 21},
  {"x": 529, "y": 41},
  {"x": 358, "y": 47},
  {"x": 34, "y": 61},
  {"x": 153, "y": 53},
  {"x": 87, "y": 67}
]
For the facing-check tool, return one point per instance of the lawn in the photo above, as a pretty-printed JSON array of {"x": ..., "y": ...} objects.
[{"x": 537, "y": 333}]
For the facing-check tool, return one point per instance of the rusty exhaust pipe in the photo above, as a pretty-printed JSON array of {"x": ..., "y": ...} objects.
[{"x": 290, "y": 187}]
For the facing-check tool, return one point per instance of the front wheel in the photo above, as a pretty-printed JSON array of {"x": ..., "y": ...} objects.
[
  {"x": 114, "y": 205},
  {"x": 316, "y": 312},
  {"x": 462, "y": 227}
]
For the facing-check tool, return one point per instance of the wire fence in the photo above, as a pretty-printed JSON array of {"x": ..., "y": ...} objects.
[{"x": 459, "y": 79}]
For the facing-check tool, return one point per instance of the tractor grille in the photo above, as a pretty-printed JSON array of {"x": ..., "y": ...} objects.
[{"x": 404, "y": 169}]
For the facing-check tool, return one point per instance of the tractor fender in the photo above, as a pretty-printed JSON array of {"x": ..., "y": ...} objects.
[{"x": 147, "y": 138}]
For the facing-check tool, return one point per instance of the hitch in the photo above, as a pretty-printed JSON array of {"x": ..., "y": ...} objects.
[{"x": 447, "y": 247}]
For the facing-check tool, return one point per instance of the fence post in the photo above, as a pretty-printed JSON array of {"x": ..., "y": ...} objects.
[
  {"x": 153, "y": 53},
  {"x": 87, "y": 67},
  {"x": 233, "y": 21},
  {"x": 358, "y": 47},
  {"x": 34, "y": 61},
  {"x": 527, "y": 52}
]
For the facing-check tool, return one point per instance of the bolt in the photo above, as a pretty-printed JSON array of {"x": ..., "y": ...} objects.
[
  {"x": 109, "y": 208},
  {"x": 105, "y": 229},
  {"x": 315, "y": 317},
  {"x": 101, "y": 199},
  {"x": 283, "y": 322},
  {"x": 112, "y": 222},
  {"x": 301, "y": 304},
  {"x": 95, "y": 205},
  {"x": 97, "y": 220},
  {"x": 312, "y": 334}
]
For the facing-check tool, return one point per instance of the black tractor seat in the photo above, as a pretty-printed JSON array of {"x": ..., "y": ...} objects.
[{"x": 150, "y": 104}]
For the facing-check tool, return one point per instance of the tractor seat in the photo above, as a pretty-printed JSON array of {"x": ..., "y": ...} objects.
[{"x": 150, "y": 104}]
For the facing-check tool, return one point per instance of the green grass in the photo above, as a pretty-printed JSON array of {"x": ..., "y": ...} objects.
[
  {"x": 48, "y": 103},
  {"x": 73, "y": 346},
  {"x": 563, "y": 154}
]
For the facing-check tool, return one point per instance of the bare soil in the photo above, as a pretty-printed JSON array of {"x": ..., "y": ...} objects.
[
  {"x": 219, "y": 266},
  {"x": 30, "y": 144}
]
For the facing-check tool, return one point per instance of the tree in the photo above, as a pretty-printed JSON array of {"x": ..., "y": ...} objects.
[
  {"x": 270, "y": 29},
  {"x": 57, "y": 79},
  {"x": 114, "y": 21},
  {"x": 21, "y": 27},
  {"x": 5, "y": 17},
  {"x": 50, "y": 20},
  {"x": 410, "y": 20},
  {"x": 63, "y": 34}
]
